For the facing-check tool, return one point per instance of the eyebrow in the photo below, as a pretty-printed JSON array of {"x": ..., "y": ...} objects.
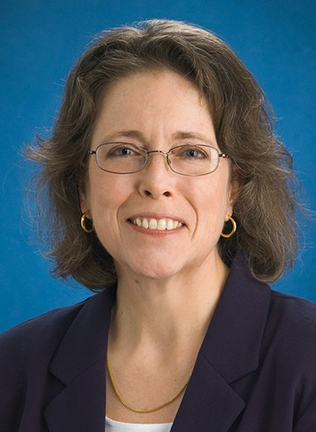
[
  {"x": 183, "y": 135},
  {"x": 177, "y": 136},
  {"x": 126, "y": 134}
]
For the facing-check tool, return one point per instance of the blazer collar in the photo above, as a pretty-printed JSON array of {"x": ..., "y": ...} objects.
[
  {"x": 230, "y": 350},
  {"x": 233, "y": 340},
  {"x": 79, "y": 364}
]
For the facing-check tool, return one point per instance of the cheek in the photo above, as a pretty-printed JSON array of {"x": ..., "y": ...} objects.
[
  {"x": 216, "y": 196},
  {"x": 107, "y": 194},
  {"x": 101, "y": 201},
  {"x": 213, "y": 204}
]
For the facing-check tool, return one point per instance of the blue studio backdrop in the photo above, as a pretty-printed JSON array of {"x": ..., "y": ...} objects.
[{"x": 42, "y": 39}]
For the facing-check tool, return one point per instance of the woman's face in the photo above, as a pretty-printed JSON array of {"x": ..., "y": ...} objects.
[{"x": 157, "y": 110}]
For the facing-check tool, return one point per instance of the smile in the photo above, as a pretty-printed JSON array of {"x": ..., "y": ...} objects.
[{"x": 157, "y": 224}]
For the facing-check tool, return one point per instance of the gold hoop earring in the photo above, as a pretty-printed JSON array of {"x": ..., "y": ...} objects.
[
  {"x": 83, "y": 223},
  {"x": 234, "y": 228}
]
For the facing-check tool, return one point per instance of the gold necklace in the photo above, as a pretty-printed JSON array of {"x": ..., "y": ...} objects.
[{"x": 139, "y": 411}]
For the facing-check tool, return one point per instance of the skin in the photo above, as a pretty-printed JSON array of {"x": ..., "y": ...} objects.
[{"x": 169, "y": 281}]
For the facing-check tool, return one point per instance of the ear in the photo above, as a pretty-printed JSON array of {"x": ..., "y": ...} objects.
[
  {"x": 83, "y": 190},
  {"x": 232, "y": 196}
]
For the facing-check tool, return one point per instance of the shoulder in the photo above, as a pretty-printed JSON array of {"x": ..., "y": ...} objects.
[
  {"x": 293, "y": 313},
  {"x": 291, "y": 331},
  {"x": 28, "y": 353},
  {"x": 25, "y": 354},
  {"x": 41, "y": 336},
  {"x": 38, "y": 336},
  {"x": 288, "y": 353}
]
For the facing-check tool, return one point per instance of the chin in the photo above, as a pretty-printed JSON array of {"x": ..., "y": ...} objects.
[{"x": 156, "y": 269}]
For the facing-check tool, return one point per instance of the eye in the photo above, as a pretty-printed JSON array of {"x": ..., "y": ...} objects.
[
  {"x": 121, "y": 150},
  {"x": 192, "y": 152}
]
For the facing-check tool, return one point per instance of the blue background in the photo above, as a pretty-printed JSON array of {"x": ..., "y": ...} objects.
[{"x": 41, "y": 40}]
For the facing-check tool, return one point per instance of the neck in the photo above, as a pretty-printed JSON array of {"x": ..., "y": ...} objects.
[
  {"x": 156, "y": 332},
  {"x": 166, "y": 313}
]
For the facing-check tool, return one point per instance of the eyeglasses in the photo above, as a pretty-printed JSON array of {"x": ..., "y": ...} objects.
[{"x": 187, "y": 159}]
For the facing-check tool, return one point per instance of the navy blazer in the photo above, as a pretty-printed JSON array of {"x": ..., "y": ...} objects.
[{"x": 255, "y": 371}]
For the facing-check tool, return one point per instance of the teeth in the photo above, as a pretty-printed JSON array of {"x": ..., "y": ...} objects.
[
  {"x": 170, "y": 224},
  {"x": 153, "y": 224},
  {"x": 137, "y": 222},
  {"x": 157, "y": 224}
]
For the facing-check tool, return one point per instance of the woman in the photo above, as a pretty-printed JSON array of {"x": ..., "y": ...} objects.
[{"x": 171, "y": 195}]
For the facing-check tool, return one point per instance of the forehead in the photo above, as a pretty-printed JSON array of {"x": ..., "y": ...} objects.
[
  {"x": 152, "y": 101},
  {"x": 154, "y": 82}
]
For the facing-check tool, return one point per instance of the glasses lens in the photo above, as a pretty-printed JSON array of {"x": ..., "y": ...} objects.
[
  {"x": 193, "y": 160},
  {"x": 126, "y": 158},
  {"x": 120, "y": 158}
]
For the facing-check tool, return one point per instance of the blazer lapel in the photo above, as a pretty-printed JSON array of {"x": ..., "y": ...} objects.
[
  {"x": 81, "y": 405},
  {"x": 79, "y": 364},
  {"x": 230, "y": 351},
  {"x": 209, "y": 403}
]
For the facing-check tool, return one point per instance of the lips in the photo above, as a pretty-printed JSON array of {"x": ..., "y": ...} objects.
[{"x": 157, "y": 224}]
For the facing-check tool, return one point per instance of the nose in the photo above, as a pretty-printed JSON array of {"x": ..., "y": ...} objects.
[
  {"x": 155, "y": 180},
  {"x": 157, "y": 151}
]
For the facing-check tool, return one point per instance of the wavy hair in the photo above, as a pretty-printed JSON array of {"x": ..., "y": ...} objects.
[{"x": 244, "y": 126}]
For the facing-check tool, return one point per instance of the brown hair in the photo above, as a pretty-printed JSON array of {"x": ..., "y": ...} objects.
[{"x": 265, "y": 207}]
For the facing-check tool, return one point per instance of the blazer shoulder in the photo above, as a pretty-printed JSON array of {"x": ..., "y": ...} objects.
[
  {"x": 295, "y": 310},
  {"x": 37, "y": 336},
  {"x": 292, "y": 325}
]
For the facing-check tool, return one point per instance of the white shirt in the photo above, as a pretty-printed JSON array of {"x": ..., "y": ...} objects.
[{"x": 116, "y": 426}]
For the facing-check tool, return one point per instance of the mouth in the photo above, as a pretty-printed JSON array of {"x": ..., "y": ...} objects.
[{"x": 164, "y": 224}]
